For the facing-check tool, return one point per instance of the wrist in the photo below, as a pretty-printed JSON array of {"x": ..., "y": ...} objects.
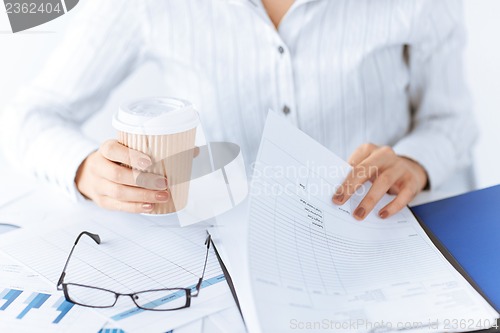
[{"x": 79, "y": 176}]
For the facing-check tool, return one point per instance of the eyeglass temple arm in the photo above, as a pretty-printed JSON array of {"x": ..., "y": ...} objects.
[
  {"x": 95, "y": 238},
  {"x": 208, "y": 241}
]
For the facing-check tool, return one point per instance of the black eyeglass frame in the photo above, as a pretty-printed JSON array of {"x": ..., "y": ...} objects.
[{"x": 61, "y": 285}]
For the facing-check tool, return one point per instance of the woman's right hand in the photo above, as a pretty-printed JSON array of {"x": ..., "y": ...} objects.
[{"x": 105, "y": 179}]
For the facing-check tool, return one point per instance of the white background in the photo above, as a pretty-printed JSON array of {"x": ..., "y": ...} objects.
[{"x": 22, "y": 54}]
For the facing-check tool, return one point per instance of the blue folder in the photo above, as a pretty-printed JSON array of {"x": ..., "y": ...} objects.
[{"x": 467, "y": 227}]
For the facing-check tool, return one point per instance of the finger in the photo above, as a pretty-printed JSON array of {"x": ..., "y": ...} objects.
[
  {"x": 357, "y": 177},
  {"x": 116, "y": 152},
  {"x": 396, "y": 187},
  {"x": 150, "y": 181},
  {"x": 122, "y": 175},
  {"x": 133, "y": 194},
  {"x": 369, "y": 168},
  {"x": 379, "y": 188},
  {"x": 361, "y": 153},
  {"x": 130, "y": 207},
  {"x": 404, "y": 197}
]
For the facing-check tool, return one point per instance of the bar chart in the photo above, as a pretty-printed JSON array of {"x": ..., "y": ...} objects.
[
  {"x": 35, "y": 301},
  {"x": 9, "y": 295},
  {"x": 43, "y": 311},
  {"x": 30, "y": 304}
]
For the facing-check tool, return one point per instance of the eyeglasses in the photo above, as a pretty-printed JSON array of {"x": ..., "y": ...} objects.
[{"x": 165, "y": 299}]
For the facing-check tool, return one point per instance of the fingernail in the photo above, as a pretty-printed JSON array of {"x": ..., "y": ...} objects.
[
  {"x": 147, "y": 206},
  {"x": 383, "y": 214},
  {"x": 144, "y": 163},
  {"x": 161, "y": 196},
  {"x": 161, "y": 183},
  {"x": 338, "y": 197},
  {"x": 359, "y": 212}
]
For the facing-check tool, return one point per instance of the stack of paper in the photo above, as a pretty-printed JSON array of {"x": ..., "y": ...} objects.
[
  {"x": 137, "y": 253},
  {"x": 311, "y": 266}
]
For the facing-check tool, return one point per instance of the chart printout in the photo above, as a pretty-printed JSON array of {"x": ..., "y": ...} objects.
[
  {"x": 136, "y": 253},
  {"x": 313, "y": 266},
  {"x": 29, "y": 304}
]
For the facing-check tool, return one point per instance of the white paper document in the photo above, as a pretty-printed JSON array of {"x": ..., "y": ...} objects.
[
  {"x": 30, "y": 304},
  {"x": 314, "y": 267},
  {"x": 136, "y": 253}
]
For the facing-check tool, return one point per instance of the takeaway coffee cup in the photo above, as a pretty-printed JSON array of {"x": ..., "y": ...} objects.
[{"x": 164, "y": 129}]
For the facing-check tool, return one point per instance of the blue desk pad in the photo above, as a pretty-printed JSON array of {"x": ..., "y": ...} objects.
[{"x": 468, "y": 227}]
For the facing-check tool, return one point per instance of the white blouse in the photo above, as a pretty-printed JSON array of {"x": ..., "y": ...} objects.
[{"x": 346, "y": 72}]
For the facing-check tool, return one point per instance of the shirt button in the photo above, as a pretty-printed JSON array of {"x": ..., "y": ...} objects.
[
  {"x": 286, "y": 110},
  {"x": 281, "y": 50}
]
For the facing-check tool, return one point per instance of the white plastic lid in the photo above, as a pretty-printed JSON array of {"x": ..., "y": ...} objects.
[{"x": 156, "y": 116}]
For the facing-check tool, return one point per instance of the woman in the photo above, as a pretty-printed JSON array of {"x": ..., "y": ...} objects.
[{"x": 377, "y": 80}]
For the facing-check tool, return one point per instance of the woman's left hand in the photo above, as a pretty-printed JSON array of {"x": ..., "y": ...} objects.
[{"x": 388, "y": 172}]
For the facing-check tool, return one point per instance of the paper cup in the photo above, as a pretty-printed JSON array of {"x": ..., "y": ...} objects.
[{"x": 164, "y": 129}]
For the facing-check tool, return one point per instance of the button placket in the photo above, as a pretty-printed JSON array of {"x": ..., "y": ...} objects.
[
  {"x": 285, "y": 82},
  {"x": 284, "y": 70},
  {"x": 286, "y": 110}
]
